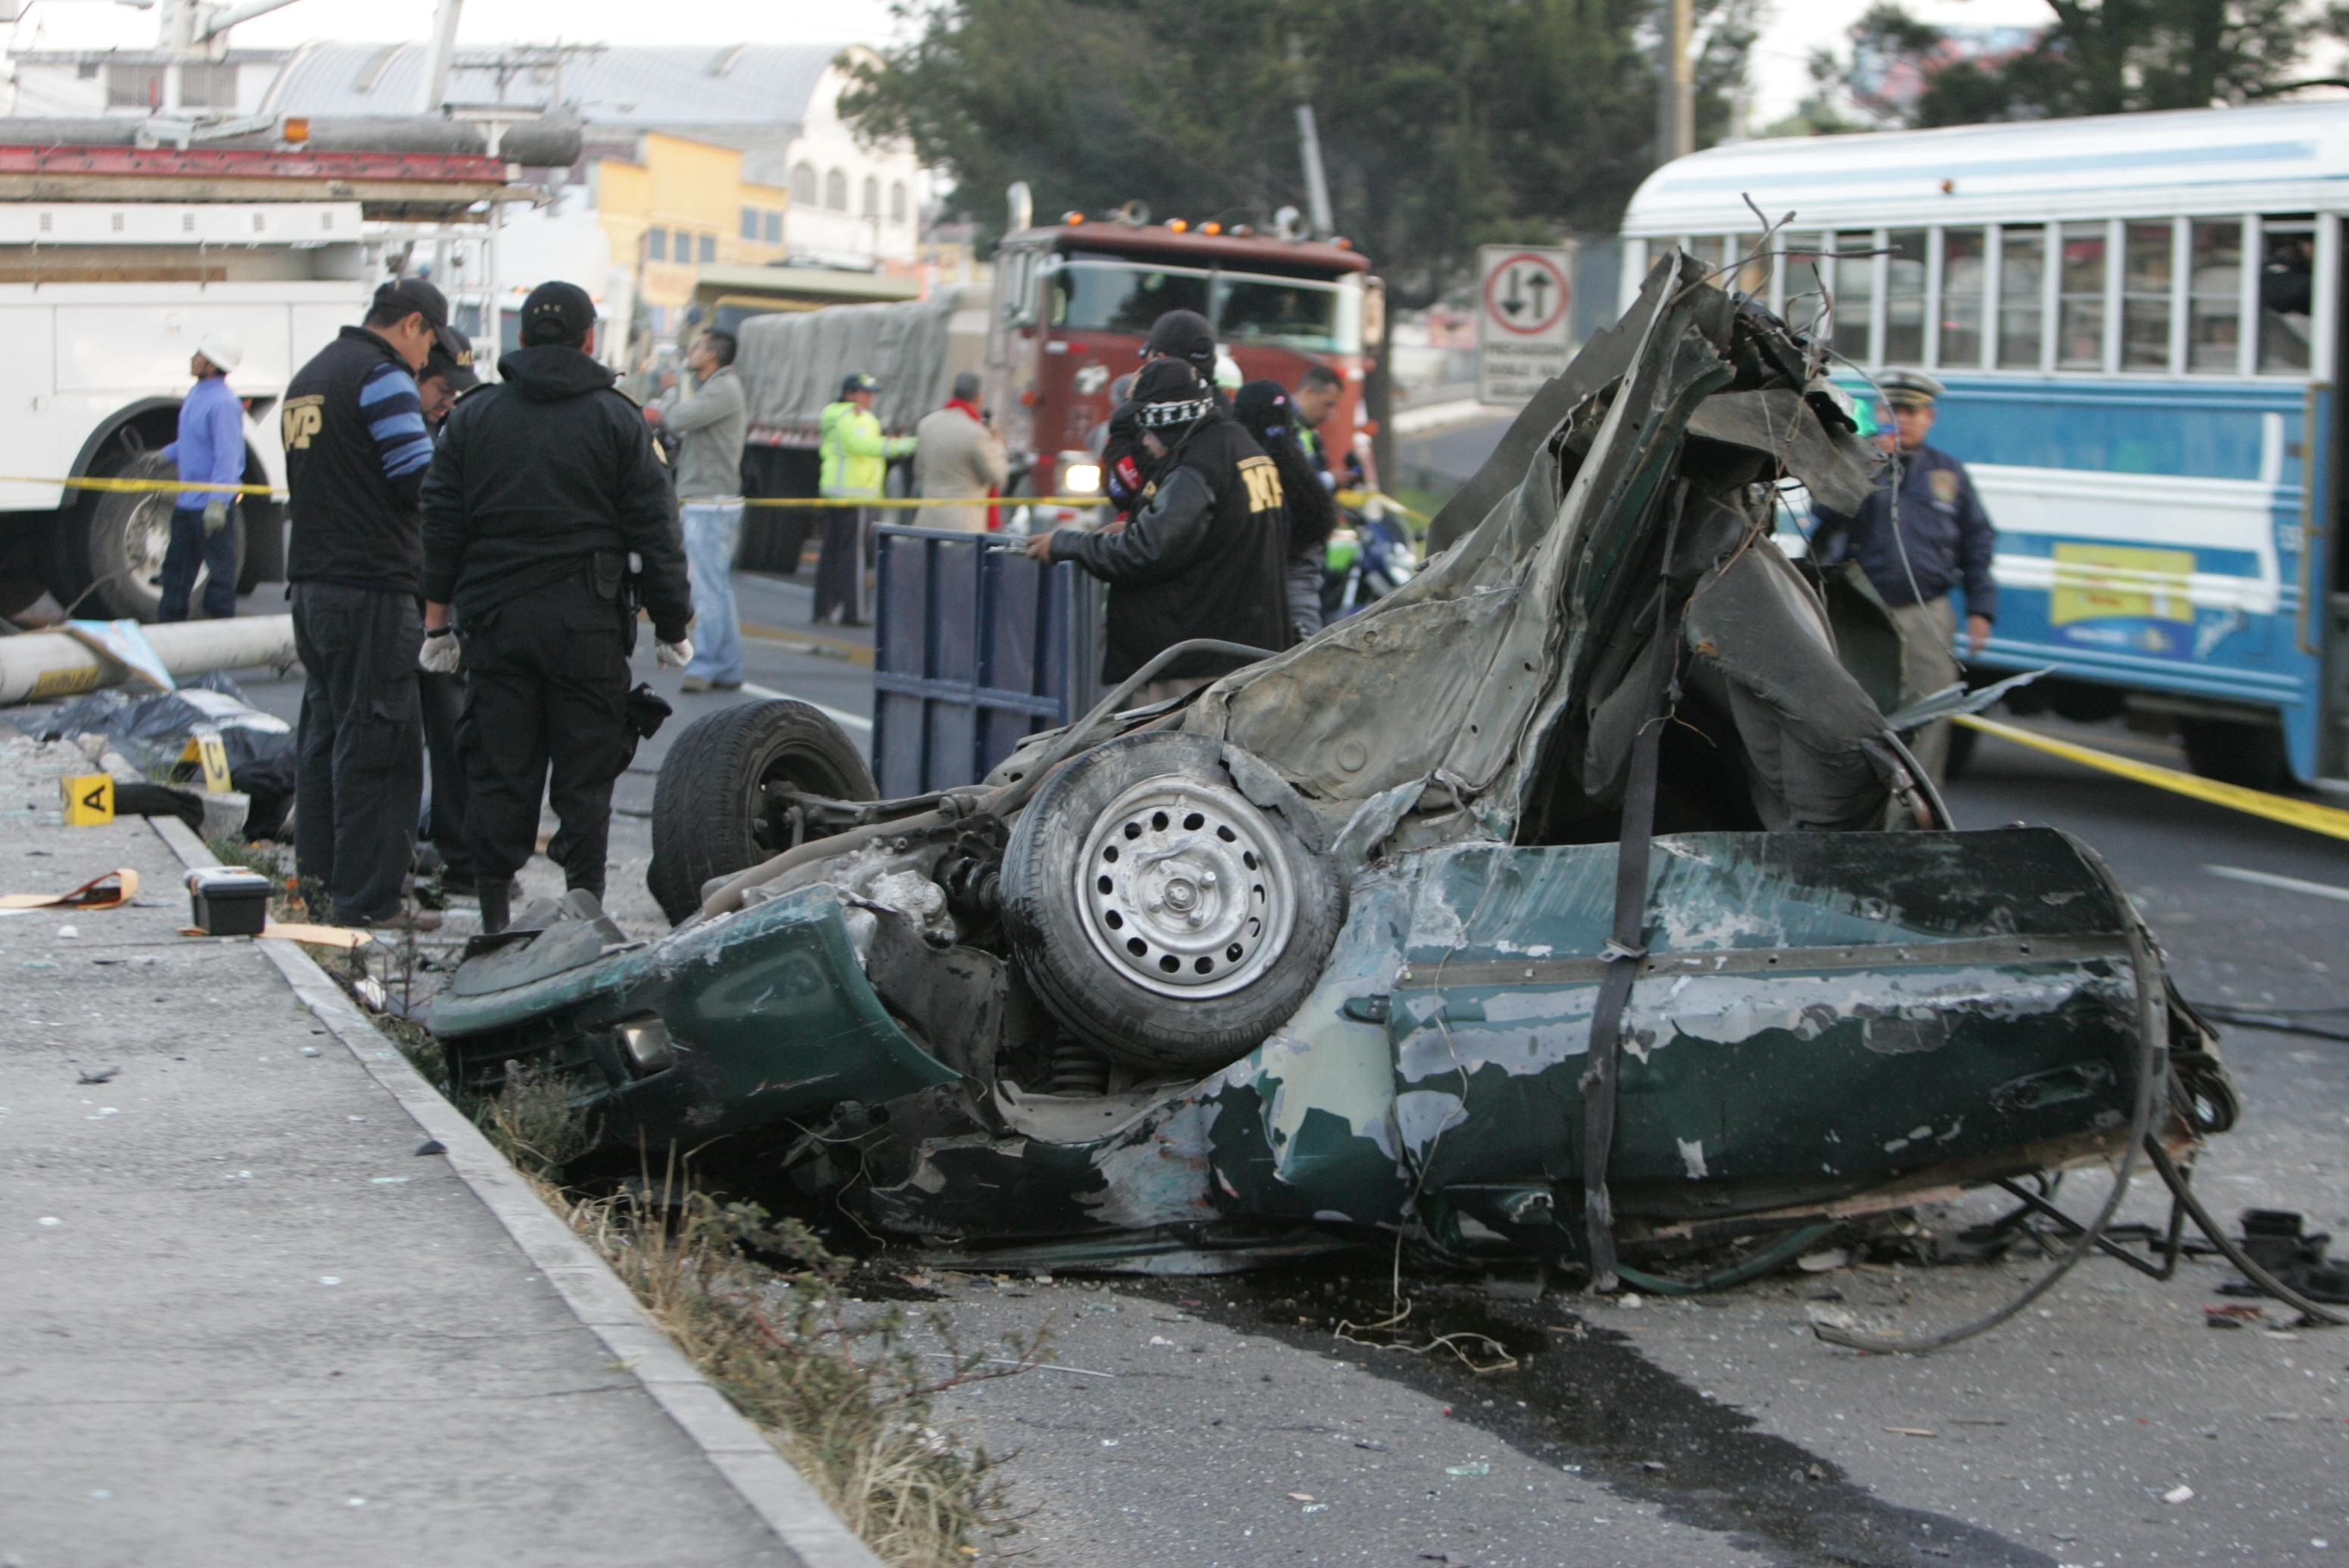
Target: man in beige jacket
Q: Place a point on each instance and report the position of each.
(956, 455)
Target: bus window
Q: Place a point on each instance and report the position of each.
(1962, 273)
(1805, 283)
(1106, 296)
(1320, 318)
(1854, 295)
(1904, 297)
(1753, 276)
(2144, 295)
(2022, 304)
(2214, 298)
(2080, 299)
(2287, 260)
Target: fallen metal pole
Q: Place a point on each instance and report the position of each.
(40, 666)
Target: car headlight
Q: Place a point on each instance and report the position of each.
(1081, 479)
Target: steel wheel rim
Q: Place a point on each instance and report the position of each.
(1184, 889)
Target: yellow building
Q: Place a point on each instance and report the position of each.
(683, 206)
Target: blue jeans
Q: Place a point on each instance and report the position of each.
(191, 547)
(710, 530)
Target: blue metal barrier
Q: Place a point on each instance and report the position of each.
(974, 647)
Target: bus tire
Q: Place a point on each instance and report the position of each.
(2232, 751)
(711, 817)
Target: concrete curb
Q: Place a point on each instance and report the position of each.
(777, 1493)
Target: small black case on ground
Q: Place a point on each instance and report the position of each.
(229, 901)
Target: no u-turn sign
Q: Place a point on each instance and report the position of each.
(1523, 319)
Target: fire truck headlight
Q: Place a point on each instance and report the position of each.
(1082, 479)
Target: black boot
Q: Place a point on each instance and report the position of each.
(494, 893)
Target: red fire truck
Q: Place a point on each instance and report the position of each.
(1074, 300)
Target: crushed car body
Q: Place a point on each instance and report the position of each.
(1578, 895)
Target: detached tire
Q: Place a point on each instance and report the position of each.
(1158, 913)
(711, 815)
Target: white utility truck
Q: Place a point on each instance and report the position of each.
(114, 260)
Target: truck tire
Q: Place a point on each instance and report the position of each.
(120, 537)
(2234, 752)
(1160, 914)
(711, 817)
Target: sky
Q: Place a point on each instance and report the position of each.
(1779, 74)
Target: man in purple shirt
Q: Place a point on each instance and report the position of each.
(210, 450)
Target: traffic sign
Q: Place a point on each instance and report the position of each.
(1523, 319)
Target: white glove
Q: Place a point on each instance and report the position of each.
(441, 653)
(215, 515)
(673, 656)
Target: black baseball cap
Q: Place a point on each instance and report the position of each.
(404, 297)
(1184, 334)
(451, 360)
(857, 381)
(557, 312)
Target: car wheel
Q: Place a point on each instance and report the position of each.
(713, 811)
(1159, 911)
(2233, 752)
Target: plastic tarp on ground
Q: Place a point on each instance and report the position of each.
(791, 363)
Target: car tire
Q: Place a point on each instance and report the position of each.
(1158, 911)
(2230, 751)
(123, 535)
(711, 817)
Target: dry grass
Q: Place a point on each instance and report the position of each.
(846, 1398)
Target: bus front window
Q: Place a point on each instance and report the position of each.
(1319, 317)
(1108, 296)
(2080, 300)
(2022, 307)
(2287, 266)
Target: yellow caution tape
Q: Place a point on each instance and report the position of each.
(897, 502)
(2330, 820)
(135, 487)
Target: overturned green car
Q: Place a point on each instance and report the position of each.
(1578, 897)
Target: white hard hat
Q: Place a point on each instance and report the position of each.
(221, 348)
(1227, 373)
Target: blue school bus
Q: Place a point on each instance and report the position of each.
(2138, 318)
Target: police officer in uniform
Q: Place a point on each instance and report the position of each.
(1205, 557)
(448, 374)
(356, 451)
(1943, 539)
(542, 487)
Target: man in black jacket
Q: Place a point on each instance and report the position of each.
(355, 450)
(541, 487)
(1205, 557)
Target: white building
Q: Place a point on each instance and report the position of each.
(851, 205)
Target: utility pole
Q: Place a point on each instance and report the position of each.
(1309, 149)
(1681, 138)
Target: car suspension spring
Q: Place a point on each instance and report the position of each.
(1079, 1069)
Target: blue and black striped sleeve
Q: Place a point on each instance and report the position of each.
(395, 416)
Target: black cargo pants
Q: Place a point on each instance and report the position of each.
(360, 776)
(546, 712)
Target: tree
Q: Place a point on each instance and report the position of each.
(2094, 57)
(1444, 124)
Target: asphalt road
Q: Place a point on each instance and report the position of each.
(1225, 1421)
